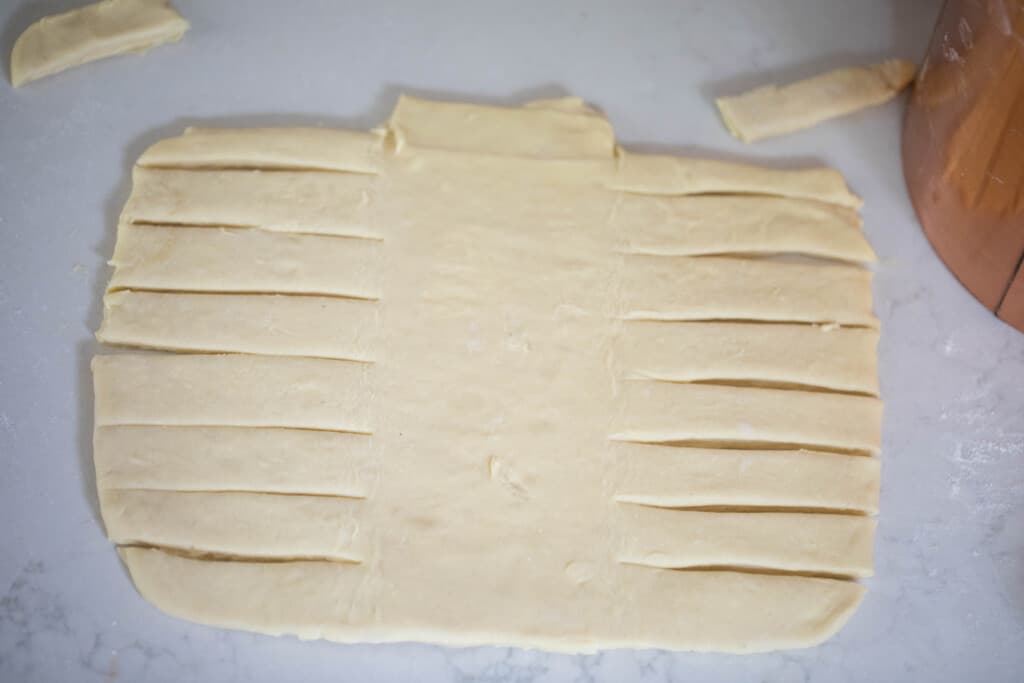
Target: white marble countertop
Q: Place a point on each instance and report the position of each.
(947, 603)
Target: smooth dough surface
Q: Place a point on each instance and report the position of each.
(268, 460)
(321, 149)
(270, 324)
(319, 600)
(738, 224)
(843, 359)
(665, 412)
(237, 523)
(232, 391)
(316, 202)
(173, 258)
(672, 477)
(725, 288)
(85, 34)
(794, 541)
(772, 110)
(507, 264)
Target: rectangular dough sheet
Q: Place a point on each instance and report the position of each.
(183, 259)
(661, 412)
(315, 202)
(676, 477)
(719, 288)
(271, 324)
(740, 224)
(478, 438)
(842, 359)
(232, 390)
(270, 460)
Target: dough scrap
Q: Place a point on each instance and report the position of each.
(740, 224)
(86, 34)
(483, 441)
(232, 391)
(318, 149)
(720, 288)
(265, 460)
(793, 541)
(172, 258)
(321, 327)
(772, 110)
(667, 476)
(843, 359)
(316, 202)
(242, 524)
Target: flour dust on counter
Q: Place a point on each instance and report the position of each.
(481, 376)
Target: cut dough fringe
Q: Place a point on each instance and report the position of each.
(481, 377)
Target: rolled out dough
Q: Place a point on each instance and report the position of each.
(86, 34)
(477, 477)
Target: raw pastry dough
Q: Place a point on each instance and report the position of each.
(172, 258)
(730, 224)
(285, 201)
(236, 523)
(842, 359)
(319, 149)
(232, 390)
(85, 34)
(490, 270)
(793, 541)
(772, 110)
(664, 476)
(321, 327)
(309, 461)
(717, 288)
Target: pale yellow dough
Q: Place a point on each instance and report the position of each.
(424, 365)
(772, 110)
(85, 34)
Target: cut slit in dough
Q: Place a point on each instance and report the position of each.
(790, 541)
(323, 149)
(316, 202)
(665, 412)
(674, 477)
(236, 523)
(233, 391)
(548, 129)
(843, 359)
(171, 258)
(318, 600)
(233, 459)
(724, 224)
(677, 176)
(716, 288)
(772, 110)
(86, 34)
(322, 327)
